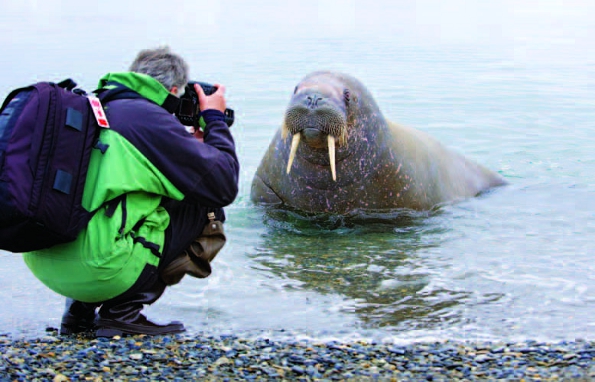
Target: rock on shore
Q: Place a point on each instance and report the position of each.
(182, 358)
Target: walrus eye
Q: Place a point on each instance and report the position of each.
(346, 95)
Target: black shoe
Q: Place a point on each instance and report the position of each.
(112, 327)
(122, 315)
(78, 317)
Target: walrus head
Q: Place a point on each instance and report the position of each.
(335, 136)
(318, 115)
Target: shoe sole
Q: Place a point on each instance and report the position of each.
(110, 331)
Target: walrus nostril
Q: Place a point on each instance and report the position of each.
(312, 101)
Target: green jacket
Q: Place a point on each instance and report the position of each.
(150, 155)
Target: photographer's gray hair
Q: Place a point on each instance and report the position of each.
(166, 67)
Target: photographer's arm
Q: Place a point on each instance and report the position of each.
(222, 180)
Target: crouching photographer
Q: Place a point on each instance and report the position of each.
(159, 193)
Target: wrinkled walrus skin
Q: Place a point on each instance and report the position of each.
(348, 157)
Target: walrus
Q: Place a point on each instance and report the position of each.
(336, 153)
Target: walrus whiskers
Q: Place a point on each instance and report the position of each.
(331, 156)
(295, 141)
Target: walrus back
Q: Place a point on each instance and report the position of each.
(436, 174)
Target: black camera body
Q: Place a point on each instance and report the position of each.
(189, 111)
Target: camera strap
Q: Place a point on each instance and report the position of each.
(171, 103)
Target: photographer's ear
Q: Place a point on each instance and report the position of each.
(174, 91)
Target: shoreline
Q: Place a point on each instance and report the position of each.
(143, 358)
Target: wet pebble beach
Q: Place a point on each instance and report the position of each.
(228, 358)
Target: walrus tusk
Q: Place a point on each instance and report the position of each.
(331, 155)
(295, 141)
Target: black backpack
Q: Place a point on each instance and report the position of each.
(47, 133)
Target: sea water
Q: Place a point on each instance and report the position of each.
(508, 84)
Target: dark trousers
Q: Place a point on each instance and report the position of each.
(187, 221)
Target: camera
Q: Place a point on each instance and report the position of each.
(189, 111)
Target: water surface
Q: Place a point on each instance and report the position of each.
(509, 84)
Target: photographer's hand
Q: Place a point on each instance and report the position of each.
(215, 101)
